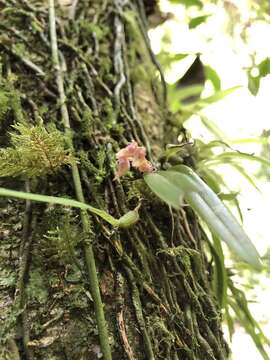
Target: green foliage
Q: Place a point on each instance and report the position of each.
(128, 219)
(239, 304)
(208, 160)
(212, 76)
(209, 156)
(166, 59)
(188, 3)
(198, 20)
(34, 151)
(178, 95)
(180, 181)
(226, 157)
(165, 189)
(220, 279)
(253, 84)
(254, 81)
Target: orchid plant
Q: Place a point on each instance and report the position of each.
(181, 183)
(172, 186)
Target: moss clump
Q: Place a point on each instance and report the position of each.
(35, 151)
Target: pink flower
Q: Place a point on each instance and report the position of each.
(134, 155)
(129, 151)
(123, 166)
(146, 166)
(139, 157)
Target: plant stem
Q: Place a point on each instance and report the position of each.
(25, 258)
(88, 250)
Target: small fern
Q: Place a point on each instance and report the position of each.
(34, 151)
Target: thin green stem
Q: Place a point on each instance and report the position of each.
(88, 250)
(25, 258)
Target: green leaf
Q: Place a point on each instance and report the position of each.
(219, 219)
(197, 21)
(213, 179)
(229, 321)
(228, 197)
(255, 140)
(219, 95)
(187, 91)
(245, 174)
(228, 161)
(164, 189)
(264, 67)
(239, 304)
(181, 181)
(198, 105)
(166, 59)
(212, 76)
(212, 127)
(68, 202)
(253, 84)
(178, 57)
(239, 155)
(220, 281)
(188, 3)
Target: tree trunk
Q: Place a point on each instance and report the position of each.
(154, 277)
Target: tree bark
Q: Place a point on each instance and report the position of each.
(154, 277)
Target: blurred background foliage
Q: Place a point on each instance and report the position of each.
(216, 60)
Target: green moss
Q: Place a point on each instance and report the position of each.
(97, 169)
(9, 98)
(35, 151)
(89, 29)
(139, 74)
(36, 288)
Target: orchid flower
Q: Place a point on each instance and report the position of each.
(135, 156)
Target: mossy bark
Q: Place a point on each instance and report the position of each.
(154, 278)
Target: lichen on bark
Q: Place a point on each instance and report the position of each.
(154, 277)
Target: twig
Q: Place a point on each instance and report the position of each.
(88, 250)
(25, 248)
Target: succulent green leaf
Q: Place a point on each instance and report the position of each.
(222, 222)
(165, 189)
(180, 181)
